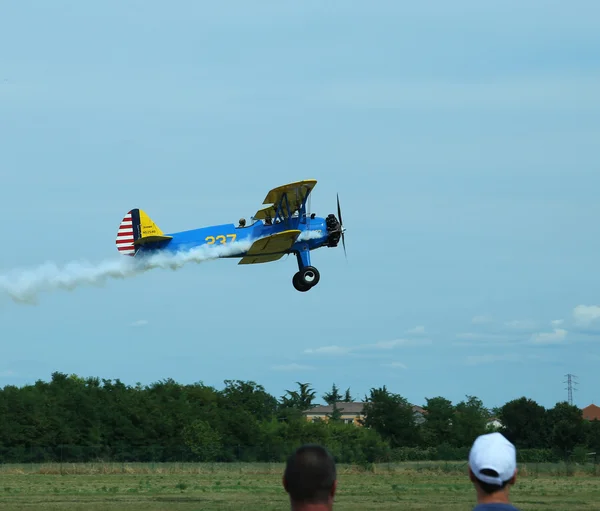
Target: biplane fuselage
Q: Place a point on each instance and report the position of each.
(284, 227)
(229, 233)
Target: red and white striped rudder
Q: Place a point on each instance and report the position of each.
(125, 237)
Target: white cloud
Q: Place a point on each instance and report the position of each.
(490, 358)
(472, 336)
(478, 320)
(585, 315)
(292, 367)
(481, 338)
(513, 332)
(328, 350)
(140, 322)
(395, 364)
(521, 324)
(380, 345)
(555, 337)
(417, 330)
(387, 345)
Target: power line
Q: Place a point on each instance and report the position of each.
(571, 381)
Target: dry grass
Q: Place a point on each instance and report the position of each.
(186, 487)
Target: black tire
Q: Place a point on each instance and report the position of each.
(298, 284)
(309, 276)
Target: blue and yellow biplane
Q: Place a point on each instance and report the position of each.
(282, 227)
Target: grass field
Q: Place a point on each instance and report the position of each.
(186, 487)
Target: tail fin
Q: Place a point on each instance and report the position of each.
(136, 229)
(125, 235)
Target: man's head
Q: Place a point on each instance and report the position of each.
(310, 476)
(492, 463)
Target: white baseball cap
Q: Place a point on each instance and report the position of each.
(494, 452)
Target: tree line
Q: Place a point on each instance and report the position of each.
(75, 419)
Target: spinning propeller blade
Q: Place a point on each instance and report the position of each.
(341, 225)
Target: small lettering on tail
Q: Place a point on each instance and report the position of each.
(125, 237)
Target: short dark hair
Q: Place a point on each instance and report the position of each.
(488, 487)
(310, 474)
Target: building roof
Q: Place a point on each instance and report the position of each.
(355, 407)
(591, 412)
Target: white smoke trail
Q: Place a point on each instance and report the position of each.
(310, 235)
(24, 286)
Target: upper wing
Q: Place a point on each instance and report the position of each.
(288, 199)
(264, 213)
(271, 247)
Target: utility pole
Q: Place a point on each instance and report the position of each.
(571, 380)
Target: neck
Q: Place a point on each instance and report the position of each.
(310, 507)
(500, 497)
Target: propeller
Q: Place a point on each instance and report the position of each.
(342, 230)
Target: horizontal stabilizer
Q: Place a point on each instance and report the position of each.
(151, 239)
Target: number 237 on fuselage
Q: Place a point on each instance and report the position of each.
(282, 227)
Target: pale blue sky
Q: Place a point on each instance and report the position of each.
(463, 140)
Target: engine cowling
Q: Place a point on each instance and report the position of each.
(334, 230)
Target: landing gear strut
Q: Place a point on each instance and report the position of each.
(307, 276)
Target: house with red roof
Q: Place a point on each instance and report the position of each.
(591, 413)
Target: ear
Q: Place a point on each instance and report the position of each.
(513, 479)
(472, 476)
(284, 482)
(333, 489)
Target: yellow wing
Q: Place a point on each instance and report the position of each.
(257, 259)
(296, 193)
(264, 213)
(270, 248)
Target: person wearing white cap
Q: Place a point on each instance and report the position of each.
(493, 470)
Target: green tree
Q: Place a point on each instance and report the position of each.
(350, 444)
(524, 422)
(336, 414)
(566, 428)
(391, 416)
(250, 396)
(301, 399)
(469, 421)
(76, 418)
(592, 431)
(437, 428)
(332, 397)
(348, 397)
(243, 405)
(203, 440)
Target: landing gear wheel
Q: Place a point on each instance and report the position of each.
(298, 284)
(309, 276)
